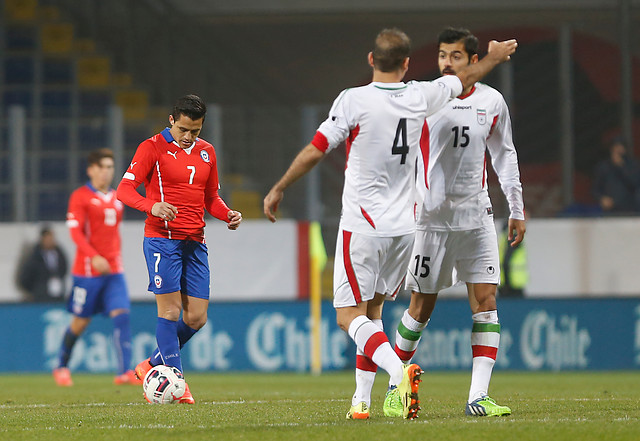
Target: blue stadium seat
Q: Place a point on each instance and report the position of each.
(21, 97)
(55, 137)
(94, 102)
(93, 136)
(57, 71)
(18, 69)
(20, 38)
(53, 169)
(52, 205)
(5, 201)
(56, 103)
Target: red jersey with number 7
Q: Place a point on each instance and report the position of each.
(185, 178)
(93, 220)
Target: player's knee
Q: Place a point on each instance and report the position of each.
(195, 322)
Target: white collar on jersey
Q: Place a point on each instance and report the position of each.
(187, 150)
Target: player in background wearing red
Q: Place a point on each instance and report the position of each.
(456, 237)
(180, 178)
(381, 124)
(98, 281)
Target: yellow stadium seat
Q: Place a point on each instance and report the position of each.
(134, 103)
(57, 38)
(249, 203)
(21, 10)
(93, 72)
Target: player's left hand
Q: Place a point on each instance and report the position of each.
(235, 217)
(519, 227)
(271, 202)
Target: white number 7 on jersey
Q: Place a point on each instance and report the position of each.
(193, 172)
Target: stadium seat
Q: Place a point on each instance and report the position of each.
(18, 69)
(134, 103)
(93, 72)
(56, 38)
(20, 10)
(53, 168)
(249, 203)
(55, 137)
(56, 102)
(20, 37)
(20, 97)
(94, 102)
(57, 70)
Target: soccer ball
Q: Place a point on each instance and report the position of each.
(163, 385)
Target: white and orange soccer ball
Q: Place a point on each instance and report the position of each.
(163, 385)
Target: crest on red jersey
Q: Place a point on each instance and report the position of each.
(204, 155)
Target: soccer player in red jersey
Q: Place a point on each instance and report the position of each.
(180, 177)
(98, 282)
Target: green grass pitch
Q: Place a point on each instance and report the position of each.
(256, 406)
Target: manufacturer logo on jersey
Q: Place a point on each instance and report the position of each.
(482, 116)
(491, 270)
(172, 154)
(204, 155)
(132, 165)
(158, 281)
(459, 107)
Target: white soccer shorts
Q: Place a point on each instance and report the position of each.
(365, 265)
(440, 259)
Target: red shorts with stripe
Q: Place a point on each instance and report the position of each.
(365, 265)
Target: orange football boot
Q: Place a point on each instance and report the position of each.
(142, 368)
(187, 398)
(128, 377)
(62, 376)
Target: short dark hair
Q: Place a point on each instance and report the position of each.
(95, 156)
(191, 106)
(453, 35)
(391, 48)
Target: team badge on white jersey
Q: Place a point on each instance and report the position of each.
(204, 155)
(482, 116)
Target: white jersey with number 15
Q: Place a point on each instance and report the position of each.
(452, 194)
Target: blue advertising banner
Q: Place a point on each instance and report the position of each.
(271, 336)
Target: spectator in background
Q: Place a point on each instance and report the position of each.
(617, 181)
(41, 274)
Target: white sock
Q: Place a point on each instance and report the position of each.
(375, 345)
(485, 340)
(365, 374)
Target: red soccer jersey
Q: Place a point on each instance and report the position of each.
(185, 178)
(94, 220)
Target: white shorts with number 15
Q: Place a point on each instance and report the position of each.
(440, 259)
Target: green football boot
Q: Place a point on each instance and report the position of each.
(392, 406)
(486, 406)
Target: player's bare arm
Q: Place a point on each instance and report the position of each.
(499, 52)
(519, 226)
(305, 161)
(164, 210)
(235, 217)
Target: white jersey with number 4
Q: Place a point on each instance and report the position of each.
(452, 194)
(381, 124)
